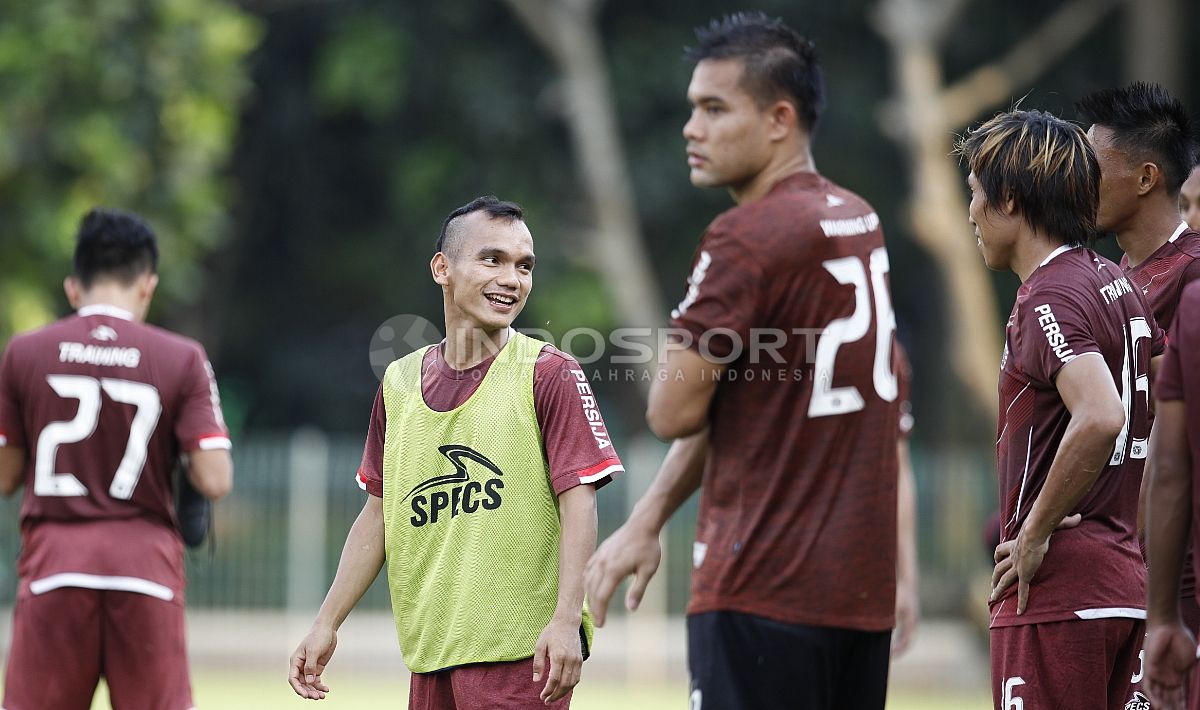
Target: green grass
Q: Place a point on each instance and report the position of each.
(244, 690)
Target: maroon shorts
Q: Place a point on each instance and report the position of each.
(480, 686)
(65, 639)
(1067, 665)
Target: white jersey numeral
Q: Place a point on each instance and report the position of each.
(826, 399)
(1012, 702)
(47, 482)
(1138, 330)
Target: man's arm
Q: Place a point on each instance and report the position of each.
(362, 558)
(559, 641)
(1170, 649)
(634, 548)
(211, 472)
(1097, 416)
(908, 607)
(12, 466)
(679, 399)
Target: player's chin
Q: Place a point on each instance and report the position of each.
(703, 178)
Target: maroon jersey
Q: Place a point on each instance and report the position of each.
(1162, 278)
(1076, 304)
(575, 440)
(1178, 380)
(797, 518)
(1163, 275)
(103, 406)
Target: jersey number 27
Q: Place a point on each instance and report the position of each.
(47, 482)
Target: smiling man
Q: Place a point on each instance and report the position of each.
(1067, 607)
(481, 466)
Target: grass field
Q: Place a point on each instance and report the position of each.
(238, 690)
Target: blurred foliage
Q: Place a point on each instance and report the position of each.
(122, 103)
(368, 121)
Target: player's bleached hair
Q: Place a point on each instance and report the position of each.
(777, 63)
(1148, 124)
(492, 205)
(1044, 164)
(112, 244)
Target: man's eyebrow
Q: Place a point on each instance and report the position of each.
(499, 252)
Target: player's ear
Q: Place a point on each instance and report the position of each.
(148, 285)
(1009, 205)
(783, 119)
(1148, 177)
(72, 288)
(440, 267)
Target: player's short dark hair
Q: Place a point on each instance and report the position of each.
(112, 244)
(492, 205)
(1044, 164)
(1149, 124)
(776, 61)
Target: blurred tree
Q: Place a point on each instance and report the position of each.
(1156, 32)
(924, 116)
(568, 32)
(121, 103)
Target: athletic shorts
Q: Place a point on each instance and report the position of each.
(64, 640)
(1069, 665)
(482, 686)
(745, 662)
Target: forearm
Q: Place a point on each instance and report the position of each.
(678, 478)
(577, 542)
(12, 469)
(1085, 450)
(1169, 501)
(362, 558)
(906, 519)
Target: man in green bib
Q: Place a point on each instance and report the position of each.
(481, 465)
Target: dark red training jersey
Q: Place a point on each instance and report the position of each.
(797, 517)
(575, 440)
(1163, 275)
(103, 406)
(1179, 379)
(1162, 278)
(1076, 304)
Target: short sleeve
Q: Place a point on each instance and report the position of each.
(576, 441)
(12, 429)
(370, 471)
(201, 425)
(1055, 328)
(722, 299)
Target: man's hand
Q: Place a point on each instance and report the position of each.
(908, 612)
(1018, 561)
(1170, 653)
(631, 550)
(558, 646)
(309, 661)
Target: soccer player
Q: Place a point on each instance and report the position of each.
(481, 465)
(1067, 611)
(95, 410)
(1189, 199)
(794, 564)
(1143, 140)
(1173, 509)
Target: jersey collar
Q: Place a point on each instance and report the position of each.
(103, 309)
(1062, 249)
(1178, 230)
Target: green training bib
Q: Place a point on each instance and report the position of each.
(471, 523)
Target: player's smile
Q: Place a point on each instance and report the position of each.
(502, 302)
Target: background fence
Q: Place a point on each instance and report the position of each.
(279, 535)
